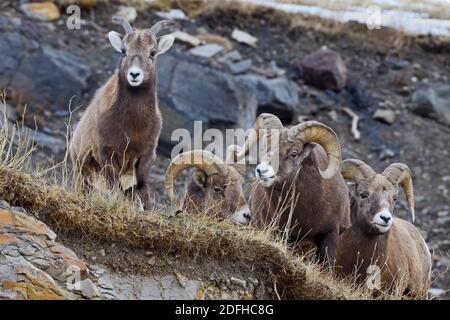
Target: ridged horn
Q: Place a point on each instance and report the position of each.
(200, 159)
(231, 159)
(313, 131)
(356, 170)
(124, 23)
(161, 25)
(399, 173)
(265, 121)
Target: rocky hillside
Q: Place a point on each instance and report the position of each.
(244, 62)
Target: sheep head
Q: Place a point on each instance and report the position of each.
(291, 147)
(220, 184)
(375, 194)
(139, 50)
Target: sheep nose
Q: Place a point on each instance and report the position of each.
(259, 171)
(247, 216)
(134, 75)
(385, 218)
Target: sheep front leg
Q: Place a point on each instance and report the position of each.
(327, 249)
(142, 175)
(110, 166)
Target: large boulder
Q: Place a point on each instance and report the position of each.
(42, 77)
(189, 91)
(324, 69)
(433, 103)
(278, 96)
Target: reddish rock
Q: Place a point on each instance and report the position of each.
(34, 266)
(324, 69)
(5, 218)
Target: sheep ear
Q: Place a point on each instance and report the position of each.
(165, 43)
(307, 148)
(199, 178)
(116, 40)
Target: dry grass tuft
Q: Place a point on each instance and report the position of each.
(110, 217)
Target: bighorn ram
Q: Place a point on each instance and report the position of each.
(214, 185)
(309, 156)
(389, 250)
(118, 133)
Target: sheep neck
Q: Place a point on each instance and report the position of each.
(135, 105)
(375, 244)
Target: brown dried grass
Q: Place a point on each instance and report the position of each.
(108, 216)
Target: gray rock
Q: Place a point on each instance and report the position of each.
(206, 50)
(173, 14)
(150, 290)
(396, 63)
(383, 115)
(386, 154)
(436, 292)
(4, 204)
(433, 103)
(28, 250)
(152, 261)
(129, 13)
(232, 56)
(238, 282)
(88, 289)
(216, 98)
(239, 67)
(41, 76)
(7, 112)
(18, 209)
(244, 37)
(278, 96)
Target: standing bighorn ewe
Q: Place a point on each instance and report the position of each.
(215, 185)
(377, 239)
(118, 133)
(309, 157)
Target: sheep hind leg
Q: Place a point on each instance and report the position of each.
(327, 250)
(142, 175)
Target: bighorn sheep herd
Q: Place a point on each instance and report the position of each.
(300, 187)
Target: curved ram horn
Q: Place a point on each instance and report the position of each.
(161, 25)
(200, 159)
(265, 121)
(231, 159)
(124, 23)
(356, 170)
(313, 131)
(399, 173)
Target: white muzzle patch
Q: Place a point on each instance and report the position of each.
(382, 220)
(265, 173)
(135, 76)
(242, 216)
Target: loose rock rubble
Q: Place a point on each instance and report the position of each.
(34, 266)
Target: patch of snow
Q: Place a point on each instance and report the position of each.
(410, 22)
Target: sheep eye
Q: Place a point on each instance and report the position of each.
(217, 190)
(293, 155)
(153, 53)
(364, 195)
(124, 52)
